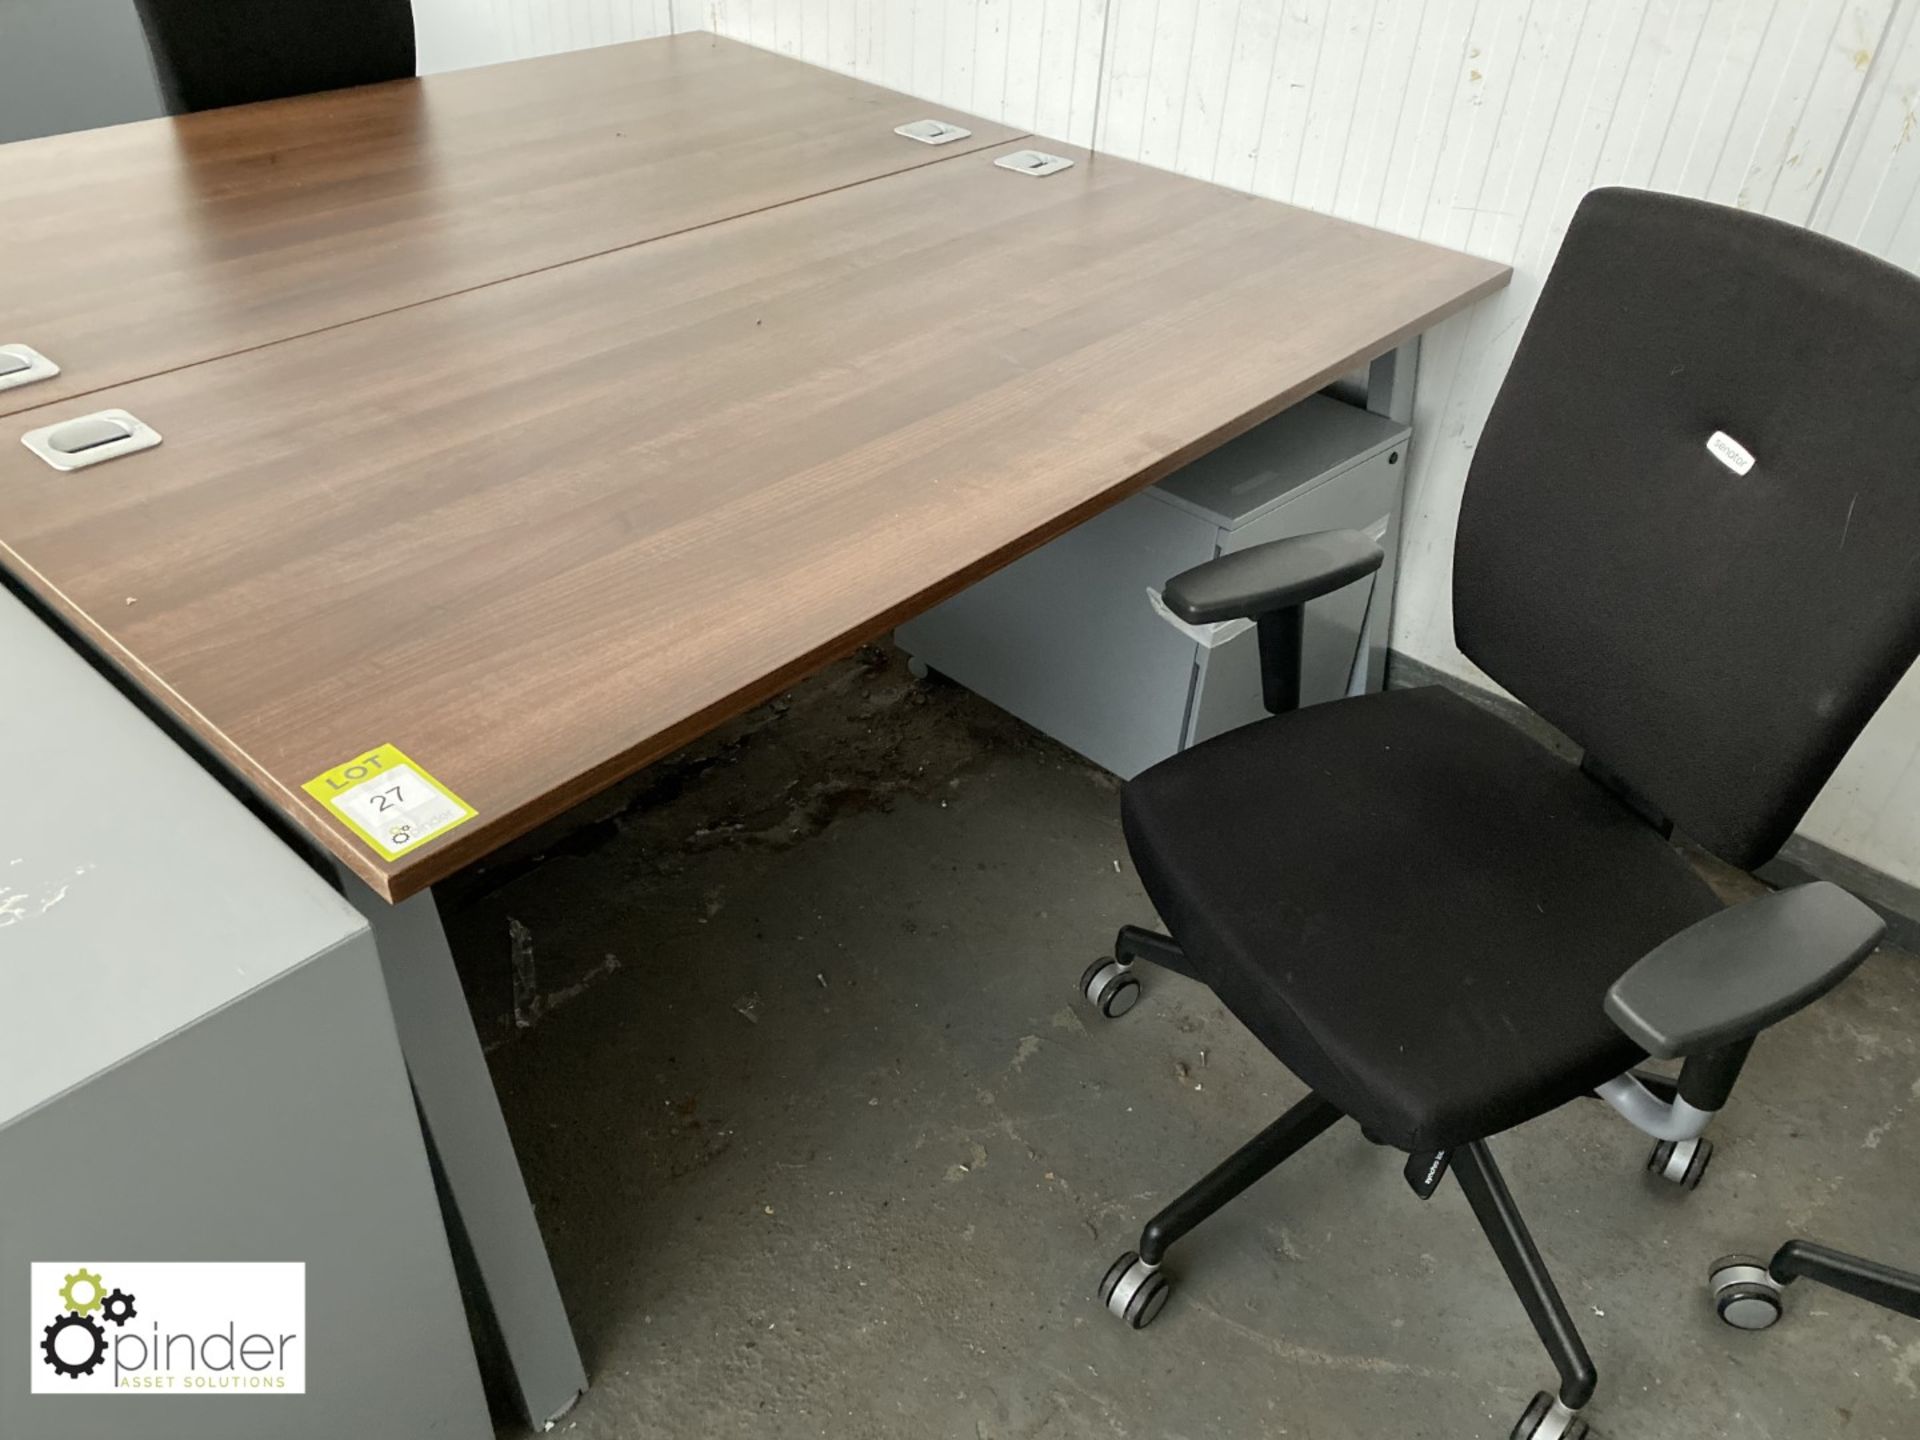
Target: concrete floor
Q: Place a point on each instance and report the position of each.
(823, 1145)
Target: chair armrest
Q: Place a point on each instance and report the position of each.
(1275, 576)
(1728, 977)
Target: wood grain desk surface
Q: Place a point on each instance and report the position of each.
(538, 534)
(140, 248)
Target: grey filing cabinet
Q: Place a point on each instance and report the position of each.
(1071, 638)
(198, 1062)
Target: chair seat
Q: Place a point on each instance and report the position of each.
(1413, 905)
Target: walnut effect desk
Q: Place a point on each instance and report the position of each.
(528, 536)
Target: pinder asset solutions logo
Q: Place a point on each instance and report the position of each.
(169, 1329)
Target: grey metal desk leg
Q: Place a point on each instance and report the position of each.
(1390, 381)
(489, 1217)
(1390, 392)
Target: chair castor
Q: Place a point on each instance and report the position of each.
(1545, 1418)
(1134, 1290)
(1681, 1161)
(1110, 986)
(1745, 1293)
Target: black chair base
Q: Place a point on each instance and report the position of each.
(1135, 1289)
(1747, 1291)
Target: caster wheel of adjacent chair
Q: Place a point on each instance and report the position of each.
(917, 668)
(1134, 1290)
(1681, 1161)
(1745, 1294)
(1545, 1418)
(1110, 987)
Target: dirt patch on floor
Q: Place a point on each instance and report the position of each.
(860, 736)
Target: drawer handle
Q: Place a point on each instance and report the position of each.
(932, 132)
(1033, 162)
(23, 365)
(90, 439)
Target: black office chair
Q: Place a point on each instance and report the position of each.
(1688, 540)
(210, 53)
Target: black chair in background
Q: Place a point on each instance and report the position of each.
(1687, 541)
(210, 53)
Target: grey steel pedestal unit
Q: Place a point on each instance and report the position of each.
(1071, 638)
(198, 1063)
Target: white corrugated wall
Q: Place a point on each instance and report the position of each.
(1473, 123)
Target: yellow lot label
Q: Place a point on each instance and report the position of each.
(389, 802)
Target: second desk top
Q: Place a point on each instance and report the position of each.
(539, 534)
(138, 248)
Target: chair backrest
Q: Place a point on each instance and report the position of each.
(1716, 638)
(210, 53)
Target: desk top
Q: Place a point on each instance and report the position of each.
(541, 533)
(139, 248)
